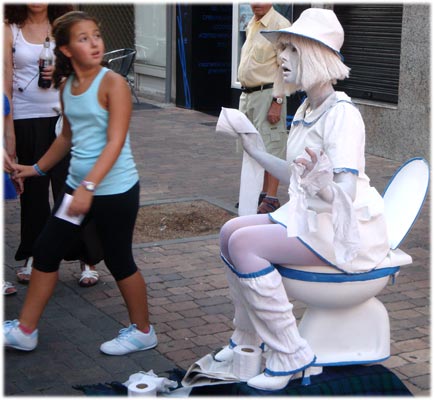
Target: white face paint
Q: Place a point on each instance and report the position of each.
(290, 60)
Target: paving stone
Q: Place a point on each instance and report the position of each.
(157, 301)
(205, 340)
(180, 306)
(210, 329)
(174, 345)
(417, 356)
(423, 381)
(212, 301)
(181, 333)
(179, 355)
(227, 309)
(413, 370)
(411, 345)
(186, 323)
(180, 298)
(404, 314)
(407, 334)
(166, 317)
(416, 391)
(194, 312)
(394, 361)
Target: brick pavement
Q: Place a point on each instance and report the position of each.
(179, 157)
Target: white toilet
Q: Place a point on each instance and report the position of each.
(344, 322)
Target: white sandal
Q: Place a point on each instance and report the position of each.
(23, 274)
(88, 273)
(7, 286)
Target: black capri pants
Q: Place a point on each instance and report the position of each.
(114, 217)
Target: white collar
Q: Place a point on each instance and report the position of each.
(308, 120)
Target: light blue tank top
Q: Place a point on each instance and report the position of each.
(89, 122)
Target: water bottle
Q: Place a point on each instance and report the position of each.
(45, 59)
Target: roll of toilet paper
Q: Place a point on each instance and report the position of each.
(142, 389)
(247, 361)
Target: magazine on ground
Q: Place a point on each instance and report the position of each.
(208, 371)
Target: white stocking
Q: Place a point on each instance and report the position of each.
(253, 242)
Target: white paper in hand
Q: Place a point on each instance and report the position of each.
(232, 121)
(62, 211)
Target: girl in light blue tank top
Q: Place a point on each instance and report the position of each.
(102, 183)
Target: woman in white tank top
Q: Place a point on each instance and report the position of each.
(35, 112)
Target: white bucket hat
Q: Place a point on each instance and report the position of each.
(316, 24)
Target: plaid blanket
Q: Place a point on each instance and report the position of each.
(352, 380)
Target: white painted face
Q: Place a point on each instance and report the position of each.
(290, 60)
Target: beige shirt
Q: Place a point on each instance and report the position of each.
(258, 61)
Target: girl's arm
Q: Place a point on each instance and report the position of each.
(116, 96)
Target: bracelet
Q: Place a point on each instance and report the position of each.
(39, 170)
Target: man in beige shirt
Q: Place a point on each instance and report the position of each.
(256, 73)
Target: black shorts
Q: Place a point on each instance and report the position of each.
(114, 217)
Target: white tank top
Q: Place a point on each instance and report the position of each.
(32, 102)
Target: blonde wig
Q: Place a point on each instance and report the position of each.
(317, 65)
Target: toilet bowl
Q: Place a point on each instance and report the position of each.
(344, 322)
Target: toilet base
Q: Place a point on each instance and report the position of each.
(355, 335)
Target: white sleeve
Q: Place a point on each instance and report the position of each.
(344, 138)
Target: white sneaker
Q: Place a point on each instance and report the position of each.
(130, 340)
(14, 337)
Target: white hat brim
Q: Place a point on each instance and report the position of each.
(273, 36)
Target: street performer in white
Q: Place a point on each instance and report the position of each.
(334, 217)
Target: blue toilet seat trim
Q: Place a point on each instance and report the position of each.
(335, 278)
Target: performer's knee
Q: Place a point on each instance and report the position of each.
(239, 243)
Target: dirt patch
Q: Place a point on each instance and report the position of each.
(178, 220)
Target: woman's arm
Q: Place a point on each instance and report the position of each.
(275, 166)
(57, 151)
(9, 133)
(346, 180)
(7, 60)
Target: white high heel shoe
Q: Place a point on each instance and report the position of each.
(225, 354)
(268, 382)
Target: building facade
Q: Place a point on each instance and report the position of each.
(188, 55)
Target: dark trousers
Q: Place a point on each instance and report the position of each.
(33, 138)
